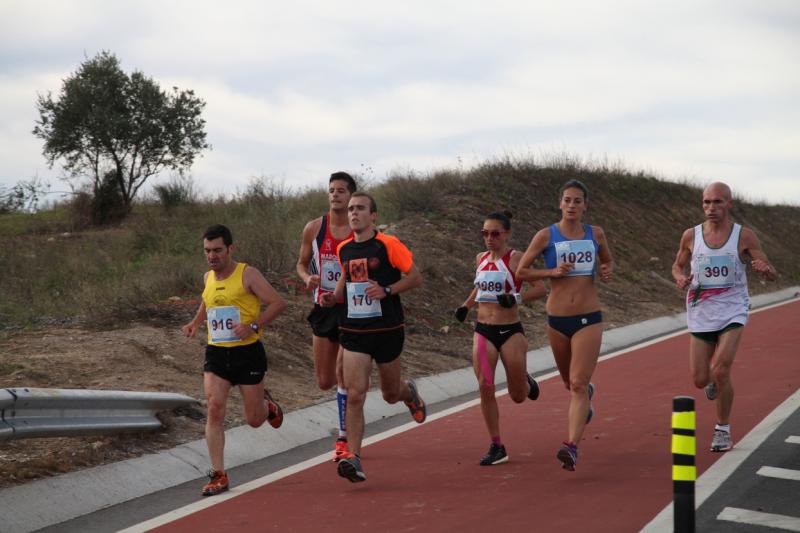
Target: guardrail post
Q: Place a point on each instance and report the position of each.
(684, 471)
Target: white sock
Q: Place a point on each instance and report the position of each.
(723, 427)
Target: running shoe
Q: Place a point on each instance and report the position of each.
(274, 411)
(722, 441)
(349, 467)
(568, 455)
(218, 483)
(495, 455)
(534, 392)
(416, 406)
(711, 391)
(340, 450)
(589, 416)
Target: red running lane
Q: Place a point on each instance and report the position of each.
(428, 479)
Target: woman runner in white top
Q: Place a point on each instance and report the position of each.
(498, 332)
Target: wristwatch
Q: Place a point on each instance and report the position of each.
(254, 326)
(387, 290)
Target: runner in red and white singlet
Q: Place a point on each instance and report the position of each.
(498, 332)
(318, 267)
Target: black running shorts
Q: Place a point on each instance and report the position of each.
(712, 337)
(241, 365)
(383, 347)
(325, 321)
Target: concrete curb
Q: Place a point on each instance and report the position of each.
(50, 501)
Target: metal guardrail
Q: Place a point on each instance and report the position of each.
(31, 412)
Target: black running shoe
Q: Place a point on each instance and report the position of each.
(711, 391)
(534, 392)
(350, 469)
(568, 455)
(495, 455)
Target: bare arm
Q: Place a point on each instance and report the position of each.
(536, 288)
(682, 260)
(255, 282)
(470, 301)
(758, 259)
(604, 252)
(539, 242)
(410, 280)
(306, 251)
(190, 329)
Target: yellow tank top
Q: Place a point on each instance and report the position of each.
(227, 302)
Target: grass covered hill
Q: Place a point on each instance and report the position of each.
(105, 277)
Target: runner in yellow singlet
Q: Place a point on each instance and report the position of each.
(231, 308)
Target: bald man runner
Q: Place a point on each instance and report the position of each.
(718, 252)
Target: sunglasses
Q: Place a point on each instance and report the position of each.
(493, 233)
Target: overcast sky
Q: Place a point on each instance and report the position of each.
(295, 90)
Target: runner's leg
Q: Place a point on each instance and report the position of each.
(585, 351)
(721, 372)
(562, 352)
(356, 367)
(484, 362)
(700, 353)
(325, 361)
(216, 391)
(513, 354)
(255, 406)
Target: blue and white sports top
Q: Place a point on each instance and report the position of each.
(581, 252)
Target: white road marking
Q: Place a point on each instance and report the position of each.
(780, 473)
(756, 518)
(793, 439)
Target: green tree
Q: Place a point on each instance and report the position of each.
(111, 127)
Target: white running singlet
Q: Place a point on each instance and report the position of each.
(718, 294)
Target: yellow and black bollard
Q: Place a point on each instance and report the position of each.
(684, 471)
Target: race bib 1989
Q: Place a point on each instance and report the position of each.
(489, 283)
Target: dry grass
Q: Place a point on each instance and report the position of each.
(118, 273)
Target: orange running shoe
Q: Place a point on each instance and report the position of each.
(274, 411)
(416, 406)
(341, 450)
(218, 483)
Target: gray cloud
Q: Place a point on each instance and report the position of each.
(703, 89)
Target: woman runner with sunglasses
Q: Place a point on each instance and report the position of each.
(573, 254)
(498, 332)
